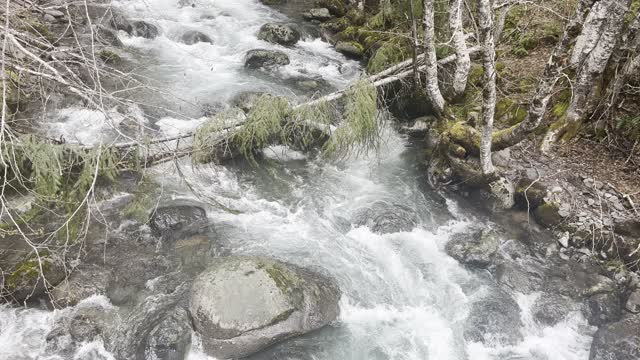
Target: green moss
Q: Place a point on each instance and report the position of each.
(547, 215)
(476, 75)
(110, 57)
(391, 52)
(284, 280)
(520, 52)
(27, 272)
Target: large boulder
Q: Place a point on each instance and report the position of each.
(170, 340)
(282, 34)
(385, 217)
(477, 249)
(193, 37)
(617, 341)
(350, 49)
(241, 305)
(261, 58)
(495, 318)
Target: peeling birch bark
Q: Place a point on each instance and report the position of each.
(463, 60)
(485, 17)
(431, 61)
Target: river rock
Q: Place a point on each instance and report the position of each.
(550, 309)
(502, 193)
(120, 23)
(350, 49)
(171, 339)
(335, 7)
(282, 34)
(260, 58)
(477, 249)
(273, 2)
(617, 341)
(320, 14)
(171, 222)
(241, 305)
(145, 30)
(245, 100)
(193, 37)
(603, 308)
(83, 282)
(107, 36)
(494, 318)
(25, 281)
(632, 304)
(384, 217)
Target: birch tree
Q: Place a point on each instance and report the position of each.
(431, 60)
(485, 16)
(463, 60)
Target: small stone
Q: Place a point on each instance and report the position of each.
(556, 189)
(564, 240)
(50, 19)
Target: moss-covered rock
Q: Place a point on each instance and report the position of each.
(351, 49)
(389, 53)
(548, 215)
(32, 277)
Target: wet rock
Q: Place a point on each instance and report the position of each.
(385, 217)
(273, 2)
(523, 278)
(83, 282)
(494, 318)
(120, 23)
(194, 37)
(170, 222)
(632, 304)
(25, 280)
(282, 34)
(603, 308)
(241, 305)
(308, 84)
(419, 126)
(171, 339)
(320, 14)
(245, 100)
(350, 49)
(260, 58)
(502, 193)
(477, 249)
(550, 309)
(548, 215)
(619, 341)
(144, 29)
(107, 36)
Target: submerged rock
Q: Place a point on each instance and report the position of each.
(477, 249)
(145, 30)
(260, 58)
(385, 218)
(171, 221)
(241, 305)
(282, 34)
(83, 282)
(193, 37)
(494, 318)
(245, 100)
(550, 309)
(170, 340)
(619, 341)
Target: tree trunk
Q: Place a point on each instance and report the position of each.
(431, 61)
(629, 56)
(592, 65)
(499, 28)
(463, 61)
(485, 19)
(469, 138)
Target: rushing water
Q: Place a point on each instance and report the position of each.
(403, 297)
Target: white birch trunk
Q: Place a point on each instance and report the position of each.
(463, 60)
(431, 61)
(485, 20)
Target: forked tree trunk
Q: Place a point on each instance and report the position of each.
(485, 20)
(468, 137)
(463, 61)
(600, 36)
(431, 61)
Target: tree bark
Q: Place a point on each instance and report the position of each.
(485, 17)
(431, 61)
(463, 60)
(601, 40)
(469, 138)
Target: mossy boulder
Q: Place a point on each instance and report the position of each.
(282, 34)
(389, 52)
(529, 194)
(268, 59)
(32, 277)
(350, 49)
(241, 305)
(476, 250)
(335, 7)
(548, 215)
